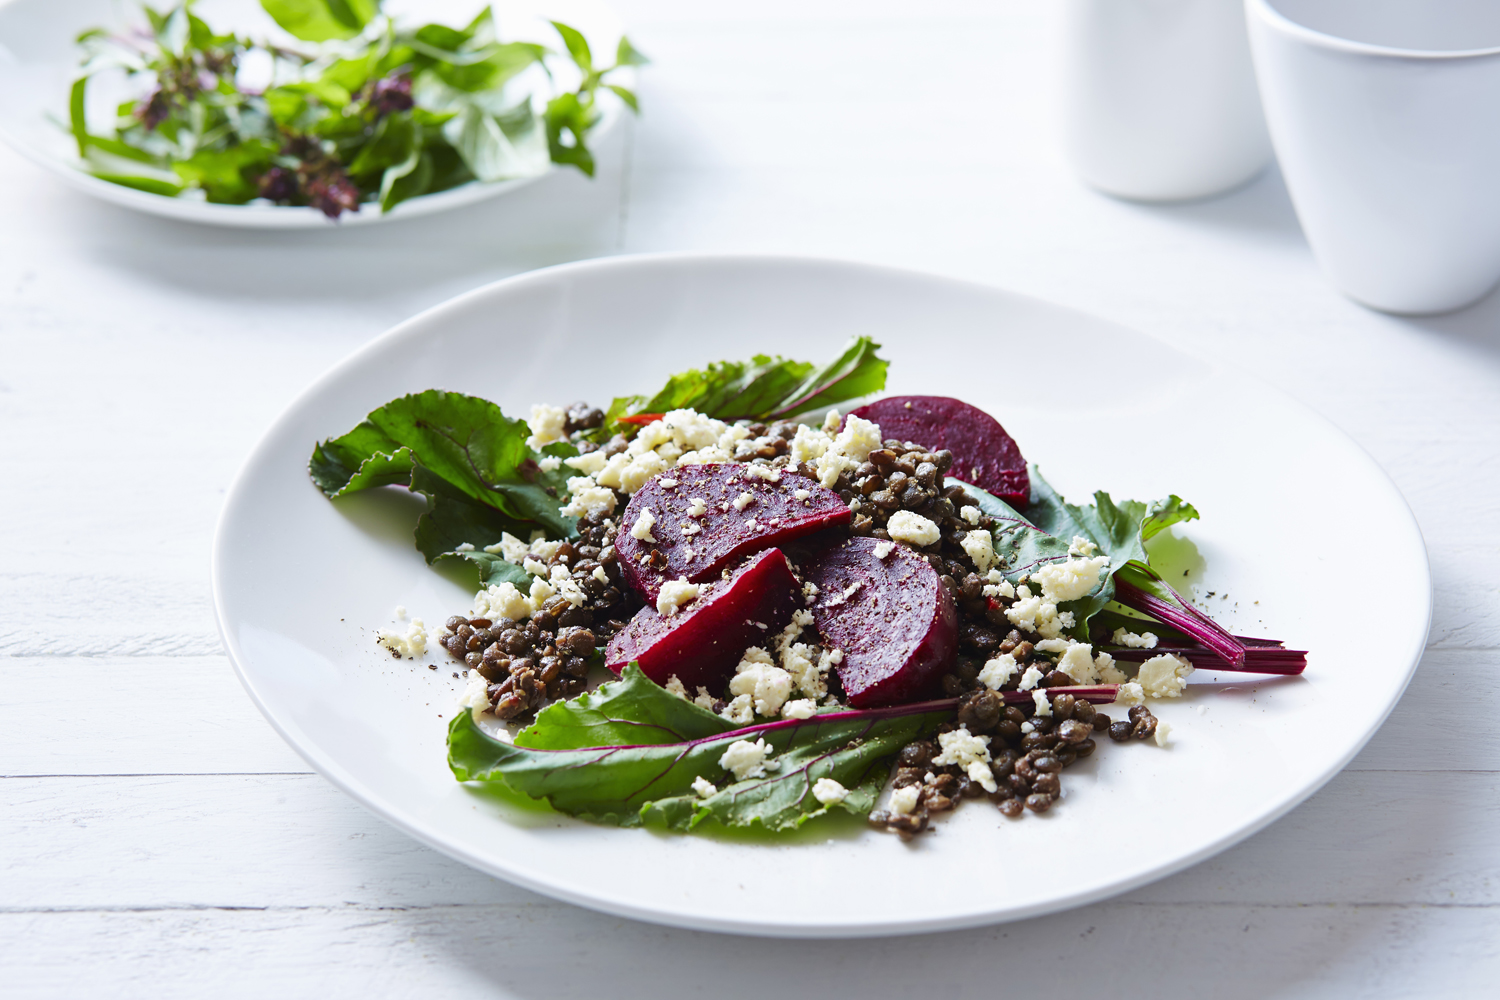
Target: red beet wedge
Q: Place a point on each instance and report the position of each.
(702, 643)
(892, 617)
(700, 544)
(983, 454)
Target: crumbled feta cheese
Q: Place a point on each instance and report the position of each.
(1031, 678)
(801, 494)
(970, 514)
(1130, 694)
(746, 759)
(1145, 640)
(674, 594)
(998, 672)
(509, 547)
(566, 587)
(1027, 727)
(534, 566)
(963, 749)
(998, 585)
(642, 528)
(740, 711)
(883, 549)
(674, 684)
(540, 591)
(704, 699)
(800, 708)
(590, 465)
(401, 611)
(1104, 666)
(756, 675)
(1164, 676)
(829, 792)
(600, 575)
(1078, 663)
(502, 601)
(476, 696)
(1070, 580)
(1039, 699)
(689, 530)
(549, 464)
(1081, 546)
(411, 643)
(810, 591)
(666, 483)
(464, 547)
(743, 500)
(703, 787)
(546, 424)
(1033, 614)
(589, 500)
(696, 507)
(904, 800)
(1163, 732)
(913, 529)
(544, 548)
(979, 545)
(765, 472)
(752, 525)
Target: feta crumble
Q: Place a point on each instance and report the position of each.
(998, 672)
(1145, 640)
(904, 800)
(745, 759)
(1163, 732)
(667, 484)
(1070, 580)
(768, 685)
(549, 464)
(401, 612)
(979, 545)
(1031, 678)
(600, 575)
(1039, 699)
(674, 594)
(884, 549)
(696, 507)
(675, 686)
(829, 792)
(913, 529)
(476, 696)
(1164, 676)
(765, 472)
(1130, 694)
(1081, 546)
(740, 711)
(546, 424)
(963, 749)
(703, 787)
(970, 514)
(743, 500)
(997, 585)
(411, 644)
(800, 708)
(801, 494)
(641, 529)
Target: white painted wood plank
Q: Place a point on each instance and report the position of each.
(534, 949)
(1371, 837)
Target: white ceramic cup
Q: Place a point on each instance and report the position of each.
(1159, 97)
(1385, 115)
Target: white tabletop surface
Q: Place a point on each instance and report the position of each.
(157, 839)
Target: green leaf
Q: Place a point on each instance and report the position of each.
(463, 440)
(77, 120)
(456, 528)
(627, 55)
(499, 64)
(322, 20)
(627, 96)
(568, 124)
(762, 388)
(227, 176)
(395, 142)
(405, 180)
(489, 152)
(577, 45)
(629, 753)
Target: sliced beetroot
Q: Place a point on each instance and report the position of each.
(702, 643)
(701, 547)
(983, 454)
(892, 618)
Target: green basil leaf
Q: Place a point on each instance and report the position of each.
(627, 54)
(322, 20)
(577, 45)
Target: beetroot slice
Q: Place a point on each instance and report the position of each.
(892, 617)
(700, 548)
(983, 454)
(702, 643)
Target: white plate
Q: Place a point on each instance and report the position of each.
(39, 62)
(1295, 517)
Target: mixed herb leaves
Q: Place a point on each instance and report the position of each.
(363, 111)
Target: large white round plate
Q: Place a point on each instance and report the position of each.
(39, 61)
(1298, 526)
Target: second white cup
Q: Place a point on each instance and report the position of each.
(1385, 115)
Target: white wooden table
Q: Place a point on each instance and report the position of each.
(157, 839)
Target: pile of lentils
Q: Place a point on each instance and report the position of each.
(1028, 754)
(530, 663)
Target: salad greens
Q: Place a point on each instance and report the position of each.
(629, 752)
(365, 111)
(481, 480)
